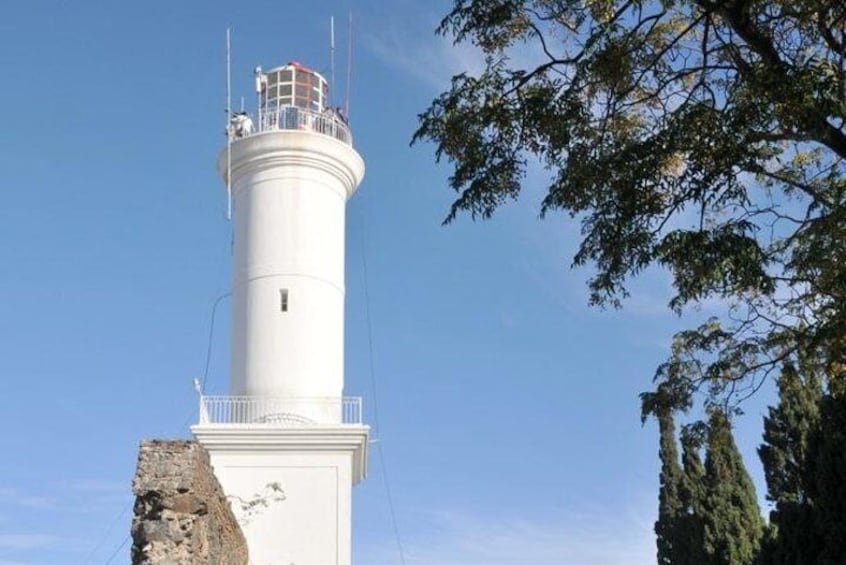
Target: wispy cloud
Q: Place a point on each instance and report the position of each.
(432, 60)
(15, 497)
(415, 49)
(26, 541)
(66, 495)
(618, 536)
(98, 486)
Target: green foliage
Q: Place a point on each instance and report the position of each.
(707, 514)
(693, 492)
(671, 509)
(788, 429)
(830, 479)
(732, 525)
(791, 429)
(704, 136)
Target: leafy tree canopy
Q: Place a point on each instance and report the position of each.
(704, 136)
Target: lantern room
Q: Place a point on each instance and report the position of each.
(292, 85)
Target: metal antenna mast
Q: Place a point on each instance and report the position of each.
(349, 70)
(332, 56)
(228, 126)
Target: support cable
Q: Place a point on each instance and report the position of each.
(376, 426)
(202, 383)
(211, 338)
(114, 522)
(116, 551)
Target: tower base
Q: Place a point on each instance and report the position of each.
(290, 488)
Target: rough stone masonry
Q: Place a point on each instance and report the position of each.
(181, 515)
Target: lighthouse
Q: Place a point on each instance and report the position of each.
(285, 443)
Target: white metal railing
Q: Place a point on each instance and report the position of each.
(327, 122)
(290, 412)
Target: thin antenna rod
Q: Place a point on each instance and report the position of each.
(349, 70)
(332, 57)
(259, 78)
(228, 125)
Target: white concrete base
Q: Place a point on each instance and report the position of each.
(290, 488)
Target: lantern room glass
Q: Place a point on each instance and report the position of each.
(294, 85)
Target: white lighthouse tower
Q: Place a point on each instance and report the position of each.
(285, 444)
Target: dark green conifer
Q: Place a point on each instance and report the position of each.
(670, 508)
(789, 429)
(830, 483)
(669, 501)
(690, 538)
(732, 524)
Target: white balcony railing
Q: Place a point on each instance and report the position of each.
(328, 122)
(284, 412)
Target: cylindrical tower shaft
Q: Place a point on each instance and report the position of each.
(290, 189)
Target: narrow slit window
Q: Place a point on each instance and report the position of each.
(283, 299)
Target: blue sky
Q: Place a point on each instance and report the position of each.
(509, 416)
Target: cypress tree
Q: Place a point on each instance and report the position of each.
(669, 503)
(830, 480)
(692, 493)
(732, 524)
(789, 429)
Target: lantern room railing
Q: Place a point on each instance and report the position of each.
(328, 122)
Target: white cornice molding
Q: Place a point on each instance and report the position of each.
(259, 438)
(271, 149)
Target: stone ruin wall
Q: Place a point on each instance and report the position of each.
(181, 516)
